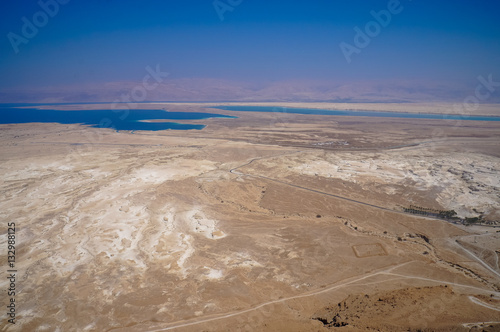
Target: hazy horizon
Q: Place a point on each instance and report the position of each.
(249, 50)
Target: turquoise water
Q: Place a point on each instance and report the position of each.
(133, 119)
(129, 119)
(355, 113)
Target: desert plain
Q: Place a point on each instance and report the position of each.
(266, 222)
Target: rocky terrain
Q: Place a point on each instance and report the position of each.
(248, 226)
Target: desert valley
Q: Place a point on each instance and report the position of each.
(258, 222)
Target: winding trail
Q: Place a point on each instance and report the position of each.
(478, 259)
(320, 291)
(481, 303)
(443, 282)
(386, 271)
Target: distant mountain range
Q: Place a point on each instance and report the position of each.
(210, 90)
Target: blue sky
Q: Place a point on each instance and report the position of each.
(260, 41)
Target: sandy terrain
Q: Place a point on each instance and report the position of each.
(417, 107)
(429, 108)
(252, 225)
